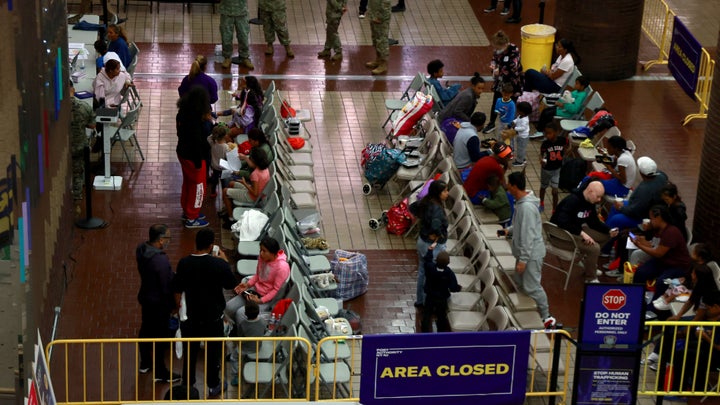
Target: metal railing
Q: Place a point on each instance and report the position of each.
(687, 366)
(657, 24)
(703, 87)
(106, 371)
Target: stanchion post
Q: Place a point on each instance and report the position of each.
(541, 5)
(89, 222)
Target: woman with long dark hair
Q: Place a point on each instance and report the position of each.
(506, 68)
(193, 122)
(433, 229)
(551, 80)
(246, 116)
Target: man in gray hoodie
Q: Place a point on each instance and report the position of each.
(528, 245)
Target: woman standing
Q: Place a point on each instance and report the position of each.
(433, 229)
(551, 80)
(197, 77)
(119, 43)
(193, 150)
(506, 68)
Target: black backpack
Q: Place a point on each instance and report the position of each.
(572, 173)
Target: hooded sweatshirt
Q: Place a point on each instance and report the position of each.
(155, 277)
(270, 277)
(527, 238)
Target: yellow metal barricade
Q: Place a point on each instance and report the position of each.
(657, 24)
(703, 87)
(682, 361)
(106, 371)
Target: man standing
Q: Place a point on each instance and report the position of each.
(202, 276)
(577, 214)
(83, 117)
(528, 245)
(273, 13)
(156, 299)
(234, 15)
(379, 13)
(333, 14)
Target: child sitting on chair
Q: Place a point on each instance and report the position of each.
(498, 201)
(253, 326)
(245, 191)
(245, 116)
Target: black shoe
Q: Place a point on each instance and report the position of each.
(512, 20)
(256, 21)
(215, 391)
(488, 128)
(397, 8)
(168, 378)
(392, 41)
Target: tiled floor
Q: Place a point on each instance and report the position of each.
(348, 109)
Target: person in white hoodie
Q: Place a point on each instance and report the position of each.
(528, 245)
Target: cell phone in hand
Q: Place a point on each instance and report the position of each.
(632, 235)
(501, 232)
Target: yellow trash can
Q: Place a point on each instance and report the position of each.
(537, 45)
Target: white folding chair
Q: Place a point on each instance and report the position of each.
(470, 321)
(393, 105)
(126, 132)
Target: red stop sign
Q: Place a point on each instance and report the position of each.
(613, 300)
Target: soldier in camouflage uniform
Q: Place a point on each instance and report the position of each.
(273, 14)
(82, 117)
(234, 14)
(379, 15)
(333, 13)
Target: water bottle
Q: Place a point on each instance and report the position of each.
(82, 64)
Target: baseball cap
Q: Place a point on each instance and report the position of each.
(501, 150)
(647, 166)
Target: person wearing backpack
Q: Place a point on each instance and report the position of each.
(433, 230)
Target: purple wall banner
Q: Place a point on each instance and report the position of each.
(684, 57)
(457, 368)
(613, 315)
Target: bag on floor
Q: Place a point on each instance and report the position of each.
(353, 319)
(179, 393)
(628, 272)
(399, 218)
(382, 163)
(411, 113)
(572, 173)
(351, 272)
(534, 101)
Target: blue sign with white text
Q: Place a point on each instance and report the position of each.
(613, 314)
(684, 57)
(463, 368)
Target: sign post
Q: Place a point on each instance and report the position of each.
(611, 325)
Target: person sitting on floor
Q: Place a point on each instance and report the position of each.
(446, 93)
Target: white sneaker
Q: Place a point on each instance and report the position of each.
(537, 135)
(652, 358)
(660, 304)
(549, 322)
(593, 281)
(598, 272)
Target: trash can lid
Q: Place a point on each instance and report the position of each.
(537, 30)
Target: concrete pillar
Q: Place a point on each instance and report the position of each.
(606, 34)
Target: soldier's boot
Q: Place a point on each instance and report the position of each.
(289, 52)
(269, 49)
(324, 53)
(380, 68)
(226, 63)
(373, 64)
(338, 56)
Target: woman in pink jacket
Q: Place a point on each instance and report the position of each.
(272, 274)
